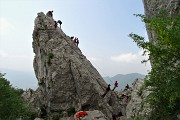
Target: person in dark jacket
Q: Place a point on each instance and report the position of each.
(55, 24)
(107, 90)
(60, 23)
(50, 13)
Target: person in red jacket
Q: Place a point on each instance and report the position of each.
(115, 85)
(75, 39)
(77, 42)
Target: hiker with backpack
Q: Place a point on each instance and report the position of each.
(59, 23)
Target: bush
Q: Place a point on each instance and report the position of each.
(164, 52)
(71, 111)
(11, 103)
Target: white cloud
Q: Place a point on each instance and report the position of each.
(5, 25)
(129, 57)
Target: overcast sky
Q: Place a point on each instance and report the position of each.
(102, 27)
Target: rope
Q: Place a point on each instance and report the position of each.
(64, 35)
(100, 70)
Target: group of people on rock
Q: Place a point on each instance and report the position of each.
(124, 93)
(50, 14)
(76, 40)
(56, 23)
(127, 87)
(108, 89)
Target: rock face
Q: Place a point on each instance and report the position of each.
(134, 110)
(31, 97)
(66, 78)
(152, 7)
(94, 115)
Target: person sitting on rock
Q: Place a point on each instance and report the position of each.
(50, 13)
(107, 90)
(115, 85)
(72, 37)
(59, 23)
(127, 87)
(55, 24)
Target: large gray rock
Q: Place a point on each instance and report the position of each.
(134, 108)
(152, 7)
(93, 115)
(66, 78)
(31, 97)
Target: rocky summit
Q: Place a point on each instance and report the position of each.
(66, 78)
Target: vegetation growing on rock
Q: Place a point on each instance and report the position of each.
(164, 55)
(11, 103)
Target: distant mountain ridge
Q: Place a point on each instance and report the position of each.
(28, 80)
(21, 79)
(123, 80)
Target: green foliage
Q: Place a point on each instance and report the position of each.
(50, 55)
(164, 52)
(138, 117)
(71, 111)
(55, 117)
(11, 104)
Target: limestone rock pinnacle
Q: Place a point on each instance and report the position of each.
(66, 78)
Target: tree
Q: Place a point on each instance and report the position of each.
(164, 52)
(11, 104)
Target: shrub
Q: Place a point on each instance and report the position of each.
(11, 103)
(164, 53)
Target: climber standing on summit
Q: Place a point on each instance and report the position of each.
(76, 41)
(50, 13)
(59, 23)
(115, 85)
